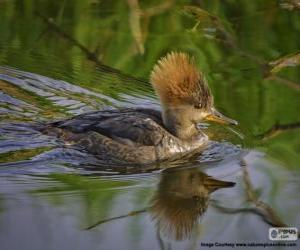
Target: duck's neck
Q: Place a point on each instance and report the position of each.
(177, 123)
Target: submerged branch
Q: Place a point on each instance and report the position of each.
(278, 129)
(132, 213)
(160, 240)
(229, 210)
(263, 209)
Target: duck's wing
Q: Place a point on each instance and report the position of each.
(129, 126)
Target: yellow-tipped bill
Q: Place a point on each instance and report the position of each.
(216, 116)
(214, 184)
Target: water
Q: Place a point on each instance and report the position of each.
(93, 55)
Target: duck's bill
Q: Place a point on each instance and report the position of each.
(214, 184)
(216, 116)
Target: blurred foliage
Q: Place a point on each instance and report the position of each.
(232, 41)
(286, 61)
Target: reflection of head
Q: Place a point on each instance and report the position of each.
(182, 197)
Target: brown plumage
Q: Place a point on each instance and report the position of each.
(177, 80)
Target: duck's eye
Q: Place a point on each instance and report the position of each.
(198, 106)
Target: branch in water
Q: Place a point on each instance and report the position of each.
(265, 210)
(132, 213)
(254, 210)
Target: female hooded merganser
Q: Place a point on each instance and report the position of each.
(145, 136)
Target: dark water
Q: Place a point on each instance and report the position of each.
(60, 58)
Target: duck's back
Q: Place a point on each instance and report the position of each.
(129, 126)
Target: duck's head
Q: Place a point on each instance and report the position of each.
(184, 94)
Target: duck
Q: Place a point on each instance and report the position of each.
(144, 135)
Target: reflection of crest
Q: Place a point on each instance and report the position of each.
(182, 197)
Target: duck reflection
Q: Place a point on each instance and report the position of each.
(181, 199)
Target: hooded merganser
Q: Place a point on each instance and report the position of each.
(145, 136)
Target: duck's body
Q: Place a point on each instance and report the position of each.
(145, 135)
(137, 126)
(127, 135)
